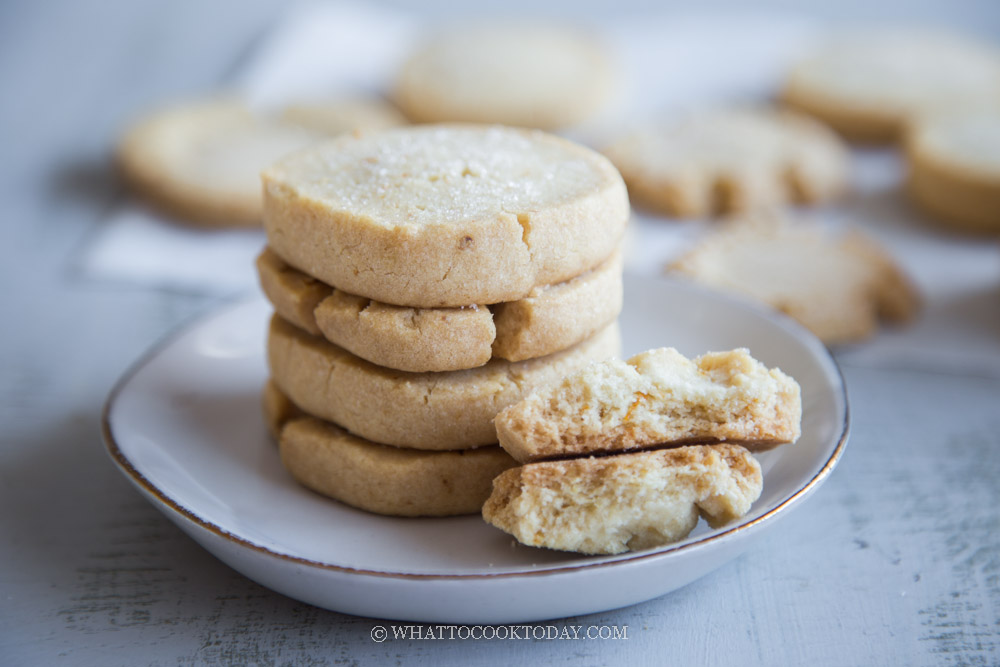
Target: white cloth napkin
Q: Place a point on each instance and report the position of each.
(669, 62)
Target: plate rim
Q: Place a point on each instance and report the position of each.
(152, 491)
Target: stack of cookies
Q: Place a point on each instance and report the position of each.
(423, 279)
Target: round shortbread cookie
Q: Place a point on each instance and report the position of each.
(730, 160)
(389, 480)
(380, 478)
(336, 116)
(869, 85)
(527, 76)
(452, 410)
(551, 318)
(954, 169)
(838, 288)
(444, 215)
(202, 162)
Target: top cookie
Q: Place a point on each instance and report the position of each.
(868, 86)
(730, 160)
(528, 76)
(336, 116)
(444, 215)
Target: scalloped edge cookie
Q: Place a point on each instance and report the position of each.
(730, 160)
(837, 286)
(550, 319)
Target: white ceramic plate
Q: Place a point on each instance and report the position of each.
(184, 425)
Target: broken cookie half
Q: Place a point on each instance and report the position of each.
(613, 504)
(655, 398)
(627, 455)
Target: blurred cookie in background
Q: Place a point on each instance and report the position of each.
(200, 162)
(869, 85)
(953, 169)
(838, 287)
(336, 116)
(730, 160)
(539, 76)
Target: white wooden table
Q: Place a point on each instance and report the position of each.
(896, 560)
